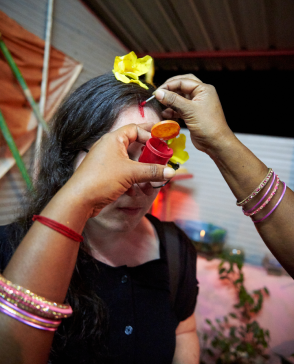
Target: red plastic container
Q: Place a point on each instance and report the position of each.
(156, 151)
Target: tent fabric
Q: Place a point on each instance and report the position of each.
(28, 51)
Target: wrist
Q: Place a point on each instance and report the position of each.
(220, 146)
(68, 207)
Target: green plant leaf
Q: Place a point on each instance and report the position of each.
(238, 305)
(222, 270)
(233, 315)
(221, 264)
(208, 322)
(239, 280)
(209, 352)
(232, 331)
(249, 349)
(266, 291)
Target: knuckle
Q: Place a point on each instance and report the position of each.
(210, 88)
(153, 170)
(171, 100)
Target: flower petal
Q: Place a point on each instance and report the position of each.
(140, 83)
(178, 145)
(143, 65)
(121, 77)
(129, 61)
(180, 157)
(118, 65)
(132, 75)
(131, 66)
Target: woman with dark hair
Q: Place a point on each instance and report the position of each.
(118, 280)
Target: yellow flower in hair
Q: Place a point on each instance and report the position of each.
(178, 145)
(128, 68)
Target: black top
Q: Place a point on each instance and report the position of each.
(142, 321)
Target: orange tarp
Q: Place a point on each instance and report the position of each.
(28, 51)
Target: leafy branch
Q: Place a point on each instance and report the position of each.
(237, 337)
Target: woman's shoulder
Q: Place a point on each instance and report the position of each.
(169, 228)
(181, 255)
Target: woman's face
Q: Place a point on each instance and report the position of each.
(126, 212)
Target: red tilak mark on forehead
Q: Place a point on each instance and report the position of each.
(141, 109)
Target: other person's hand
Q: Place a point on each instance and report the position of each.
(107, 172)
(198, 105)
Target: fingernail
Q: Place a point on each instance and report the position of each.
(168, 173)
(159, 94)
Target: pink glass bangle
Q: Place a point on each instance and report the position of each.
(267, 200)
(257, 190)
(276, 205)
(15, 291)
(27, 292)
(12, 313)
(260, 201)
(26, 302)
(28, 314)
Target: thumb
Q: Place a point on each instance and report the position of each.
(176, 102)
(145, 172)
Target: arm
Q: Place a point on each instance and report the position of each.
(242, 170)
(187, 343)
(45, 259)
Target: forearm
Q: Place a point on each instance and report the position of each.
(187, 349)
(243, 172)
(205, 119)
(44, 263)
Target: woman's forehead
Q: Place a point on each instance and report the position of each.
(132, 115)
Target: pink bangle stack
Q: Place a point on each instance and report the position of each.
(260, 204)
(257, 190)
(29, 308)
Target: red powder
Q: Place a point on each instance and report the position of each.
(141, 109)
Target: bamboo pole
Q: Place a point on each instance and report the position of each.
(22, 83)
(13, 148)
(44, 82)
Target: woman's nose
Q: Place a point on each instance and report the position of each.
(140, 188)
(132, 191)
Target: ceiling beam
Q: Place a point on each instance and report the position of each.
(172, 26)
(222, 54)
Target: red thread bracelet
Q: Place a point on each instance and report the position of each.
(62, 229)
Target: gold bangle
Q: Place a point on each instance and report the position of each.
(257, 190)
(33, 295)
(25, 305)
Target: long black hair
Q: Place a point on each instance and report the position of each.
(87, 114)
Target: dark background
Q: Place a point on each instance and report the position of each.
(254, 102)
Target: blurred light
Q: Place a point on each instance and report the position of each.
(236, 251)
(202, 233)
